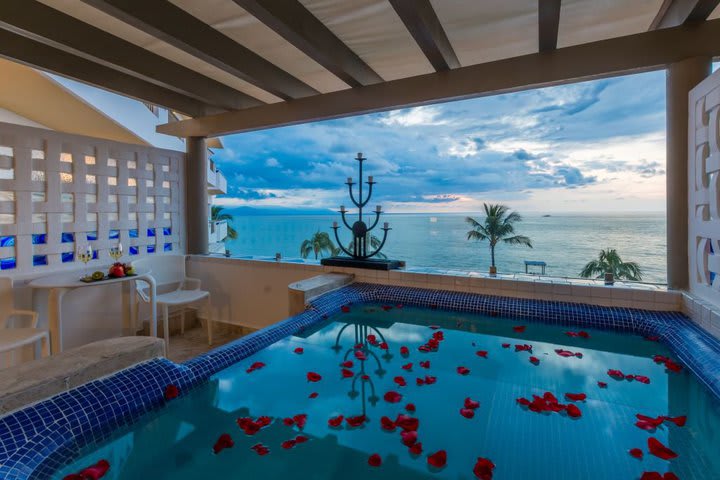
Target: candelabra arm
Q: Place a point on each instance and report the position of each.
(385, 231)
(362, 204)
(352, 197)
(337, 239)
(344, 221)
(377, 219)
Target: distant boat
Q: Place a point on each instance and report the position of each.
(546, 216)
(433, 219)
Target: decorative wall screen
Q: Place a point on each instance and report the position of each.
(59, 191)
(704, 189)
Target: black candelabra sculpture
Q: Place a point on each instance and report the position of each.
(360, 257)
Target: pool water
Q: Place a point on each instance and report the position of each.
(177, 442)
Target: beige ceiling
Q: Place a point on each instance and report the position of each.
(479, 31)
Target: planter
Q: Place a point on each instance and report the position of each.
(609, 280)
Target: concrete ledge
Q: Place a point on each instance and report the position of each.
(34, 381)
(302, 292)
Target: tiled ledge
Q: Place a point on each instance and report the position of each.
(704, 313)
(592, 292)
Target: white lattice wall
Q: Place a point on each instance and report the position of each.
(58, 191)
(704, 189)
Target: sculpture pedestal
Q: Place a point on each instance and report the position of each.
(370, 263)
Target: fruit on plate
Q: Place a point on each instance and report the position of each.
(98, 275)
(116, 270)
(129, 269)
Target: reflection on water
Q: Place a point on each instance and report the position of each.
(177, 442)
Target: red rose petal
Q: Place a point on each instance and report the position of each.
(470, 403)
(384, 346)
(481, 353)
(467, 412)
(288, 444)
(483, 469)
(171, 392)
(523, 348)
(372, 339)
(523, 401)
(408, 438)
(313, 395)
(301, 439)
(636, 452)
(437, 459)
(534, 360)
(347, 373)
(299, 350)
(642, 379)
(288, 422)
(400, 381)
(419, 381)
(660, 450)
(407, 423)
(652, 338)
(404, 351)
(387, 307)
(348, 364)
(616, 374)
(416, 449)
(335, 421)
(463, 370)
(658, 476)
(602, 384)
(345, 309)
(519, 329)
(365, 377)
(374, 460)
(410, 407)
(576, 397)
(679, 421)
(425, 364)
(429, 379)
(434, 327)
(506, 345)
(407, 366)
(392, 397)
(255, 366)
(313, 377)
(260, 449)
(356, 421)
(387, 424)
(573, 411)
(93, 472)
(223, 442)
(300, 420)
(672, 366)
(360, 355)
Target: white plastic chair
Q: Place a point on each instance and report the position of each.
(13, 336)
(175, 289)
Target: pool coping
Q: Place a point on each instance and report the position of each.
(38, 439)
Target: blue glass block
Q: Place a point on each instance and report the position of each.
(151, 249)
(39, 239)
(95, 254)
(91, 236)
(39, 260)
(134, 250)
(167, 231)
(7, 263)
(67, 237)
(167, 247)
(114, 234)
(67, 257)
(150, 232)
(7, 241)
(133, 233)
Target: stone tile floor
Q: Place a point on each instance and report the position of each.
(193, 342)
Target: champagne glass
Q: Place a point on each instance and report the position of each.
(85, 254)
(116, 252)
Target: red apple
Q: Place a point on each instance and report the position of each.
(116, 271)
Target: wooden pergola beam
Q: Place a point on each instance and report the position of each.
(296, 24)
(678, 12)
(34, 20)
(629, 54)
(548, 24)
(180, 29)
(44, 57)
(423, 24)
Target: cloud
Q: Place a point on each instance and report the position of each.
(413, 117)
(272, 162)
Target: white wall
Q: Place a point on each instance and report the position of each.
(11, 117)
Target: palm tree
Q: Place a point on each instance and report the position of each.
(319, 243)
(609, 261)
(498, 226)
(217, 215)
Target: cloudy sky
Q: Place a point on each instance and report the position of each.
(594, 146)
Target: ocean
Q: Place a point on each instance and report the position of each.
(566, 242)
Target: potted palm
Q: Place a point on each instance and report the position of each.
(498, 226)
(610, 266)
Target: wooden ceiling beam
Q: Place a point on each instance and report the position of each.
(605, 58)
(182, 30)
(50, 59)
(548, 24)
(296, 24)
(423, 24)
(34, 20)
(678, 12)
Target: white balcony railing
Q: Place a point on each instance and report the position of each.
(216, 182)
(217, 231)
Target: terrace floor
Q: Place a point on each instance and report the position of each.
(193, 342)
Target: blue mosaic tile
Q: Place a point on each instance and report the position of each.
(91, 236)
(133, 232)
(134, 250)
(151, 249)
(150, 232)
(7, 241)
(39, 239)
(167, 247)
(114, 234)
(36, 441)
(167, 231)
(67, 237)
(39, 260)
(8, 263)
(67, 257)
